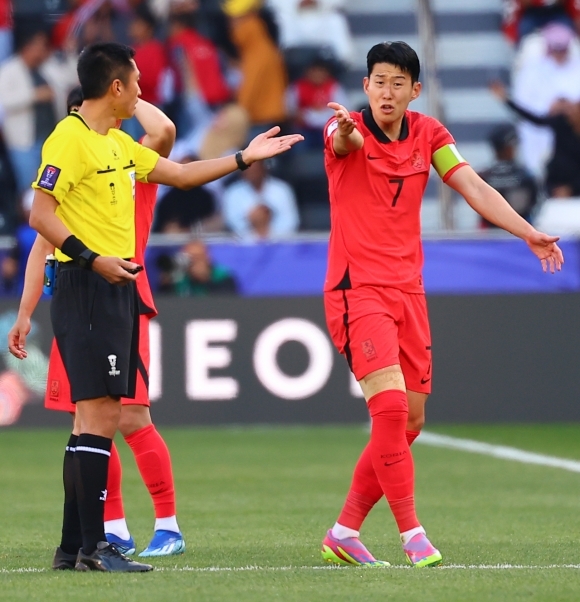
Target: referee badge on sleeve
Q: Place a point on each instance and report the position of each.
(49, 177)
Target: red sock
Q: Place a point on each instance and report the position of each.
(365, 492)
(391, 455)
(114, 500)
(154, 463)
(411, 436)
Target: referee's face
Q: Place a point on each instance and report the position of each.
(128, 95)
(390, 91)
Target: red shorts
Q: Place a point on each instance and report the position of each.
(375, 327)
(57, 396)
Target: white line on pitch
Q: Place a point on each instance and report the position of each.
(497, 451)
(234, 569)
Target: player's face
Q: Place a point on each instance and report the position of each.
(390, 91)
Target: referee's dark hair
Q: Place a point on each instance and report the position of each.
(74, 98)
(100, 65)
(399, 54)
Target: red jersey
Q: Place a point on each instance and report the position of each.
(513, 10)
(205, 64)
(145, 198)
(151, 60)
(375, 202)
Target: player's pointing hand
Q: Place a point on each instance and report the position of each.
(546, 250)
(346, 123)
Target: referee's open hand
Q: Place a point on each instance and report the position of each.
(17, 337)
(114, 269)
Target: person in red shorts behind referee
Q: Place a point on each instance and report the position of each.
(151, 453)
(378, 163)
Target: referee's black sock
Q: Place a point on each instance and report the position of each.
(91, 467)
(71, 540)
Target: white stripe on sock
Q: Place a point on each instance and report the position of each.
(93, 450)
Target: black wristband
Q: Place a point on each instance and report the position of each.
(242, 165)
(78, 252)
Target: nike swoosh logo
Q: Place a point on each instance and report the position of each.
(395, 462)
(371, 158)
(425, 381)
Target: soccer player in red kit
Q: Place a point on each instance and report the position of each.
(378, 163)
(150, 450)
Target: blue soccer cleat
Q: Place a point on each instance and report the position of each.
(165, 543)
(125, 546)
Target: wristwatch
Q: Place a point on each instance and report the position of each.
(242, 165)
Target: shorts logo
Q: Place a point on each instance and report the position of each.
(369, 350)
(49, 177)
(113, 361)
(417, 161)
(54, 392)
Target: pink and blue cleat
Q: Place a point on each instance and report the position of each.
(420, 552)
(348, 552)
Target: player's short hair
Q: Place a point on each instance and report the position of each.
(99, 65)
(399, 54)
(74, 98)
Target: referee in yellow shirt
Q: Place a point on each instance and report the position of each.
(84, 205)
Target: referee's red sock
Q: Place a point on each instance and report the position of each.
(391, 455)
(114, 502)
(154, 463)
(365, 492)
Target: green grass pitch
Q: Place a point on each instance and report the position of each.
(260, 500)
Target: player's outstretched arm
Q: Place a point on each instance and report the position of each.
(494, 208)
(196, 173)
(347, 138)
(159, 129)
(33, 281)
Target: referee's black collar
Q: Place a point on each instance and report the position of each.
(370, 122)
(79, 117)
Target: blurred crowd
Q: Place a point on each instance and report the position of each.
(540, 155)
(223, 70)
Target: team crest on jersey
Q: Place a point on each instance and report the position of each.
(417, 161)
(369, 350)
(49, 177)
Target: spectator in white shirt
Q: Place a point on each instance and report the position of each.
(259, 206)
(543, 80)
(315, 23)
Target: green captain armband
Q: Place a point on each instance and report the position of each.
(446, 160)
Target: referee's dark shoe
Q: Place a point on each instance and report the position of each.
(63, 561)
(108, 559)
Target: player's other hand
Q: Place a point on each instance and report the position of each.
(269, 144)
(115, 269)
(17, 337)
(346, 123)
(544, 247)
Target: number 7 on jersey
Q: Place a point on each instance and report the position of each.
(399, 182)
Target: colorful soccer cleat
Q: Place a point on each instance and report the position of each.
(348, 552)
(125, 546)
(420, 552)
(165, 543)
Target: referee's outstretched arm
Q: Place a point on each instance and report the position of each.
(50, 227)
(196, 173)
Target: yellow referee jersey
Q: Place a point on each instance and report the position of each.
(92, 177)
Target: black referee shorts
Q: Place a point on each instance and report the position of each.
(96, 327)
